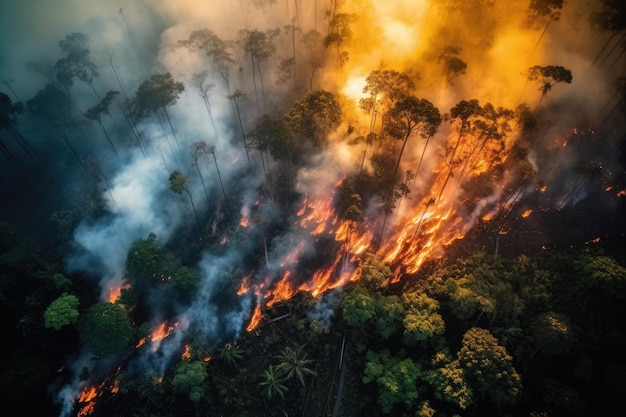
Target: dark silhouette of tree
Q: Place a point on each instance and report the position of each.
(314, 46)
(199, 81)
(200, 150)
(236, 98)
(538, 9)
(52, 104)
(8, 121)
(548, 76)
(314, 116)
(179, 183)
(385, 87)
(211, 150)
(453, 66)
(408, 116)
(339, 31)
(103, 107)
(155, 95)
(259, 47)
(77, 63)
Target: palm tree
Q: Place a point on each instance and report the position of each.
(231, 354)
(294, 363)
(272, 383)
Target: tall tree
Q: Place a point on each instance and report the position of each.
(77, 62)
(8, 121)
(314, 116)
(547, 76)
(156, 94)
(103, 107)
(259, 47)
(106, 330)
(179, 183)
(199, 81)
(408, 116)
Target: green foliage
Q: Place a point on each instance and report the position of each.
(61, 312)
(145, 260)
(187, 280)
(179, 182)
(489, 367)
(421, 320)
(375, 274)
(294, 363)
(553, 333)
(358, 307)
(156, 93)
(314, 116)
(396, 379)
(105, 329)
(189, 379)
(272, 383)
(449, 382)
(389, 315)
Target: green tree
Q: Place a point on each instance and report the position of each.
(258, 45)
(187, 281)
(553, 333)
(106, 330)
(396, 379)
(294, 363)
(489, 368)
(314, 116)
(272, 383)
(422, 320)
(179, 183)
(155, 95)
(8, 121)
(103, 107)
(449, 382)
(411, 115)
(144, 260)
(358, 306)
(189, 379)
(61, 312)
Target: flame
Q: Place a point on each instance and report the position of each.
(186, 353)
(527, 213)
(622, 193)
(257, 315)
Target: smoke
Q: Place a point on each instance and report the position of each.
(131, 40)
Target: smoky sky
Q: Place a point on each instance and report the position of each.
(130, 40)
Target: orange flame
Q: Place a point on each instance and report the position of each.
(527, 213)
(255, 319)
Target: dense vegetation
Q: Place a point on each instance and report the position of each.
(523, 316)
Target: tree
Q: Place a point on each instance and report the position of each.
(189, 379)
(95, 113)
(489, 368)
(144, 260)
(259, 47)
(358, 306)
(199, 81)
(396, 379)
(8, 120)
(156, 94)
(272, 383)
(548, 76)
(449, 382)
(314, 116)
(76, 63)
(187, 281)
(453, 66)
(314, 46)
(179, 183)
(422, 320)
(553, 333)
(408, 116)
(385, 87)
(53, 105)
(200, 150)
(106, 330)
(61, 312)
(543, 8)
(231, 353)
(294, 363)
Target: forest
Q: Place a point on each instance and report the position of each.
(321, 208)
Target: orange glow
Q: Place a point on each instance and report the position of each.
(527, 213)
(255, 319)
(245, 286)
(186, 354)
(622, 193)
